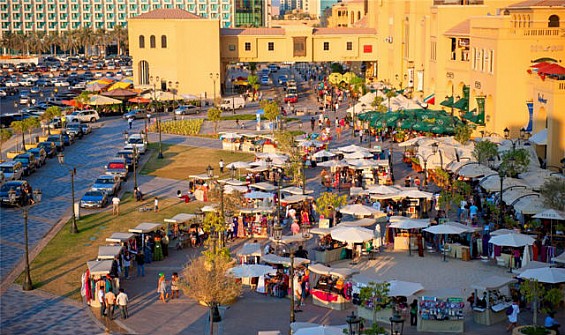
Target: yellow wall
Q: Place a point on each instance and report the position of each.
(187, 41)
(342, 14)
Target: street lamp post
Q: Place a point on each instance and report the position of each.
(174, 88)
(214, 77)
(303, 177)
(514, 142)
(279, 185)
(12, 197)
(435, 148)
(353, 323)
(73, 171)
(154, 81)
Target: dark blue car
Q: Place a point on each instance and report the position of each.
(94, 199)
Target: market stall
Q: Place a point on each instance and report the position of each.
(441, 313)
(121, 238)
(490, 308)
(329, 250)
(145, 228)
(109, 252)
(100, 273)
(250, 253)
(184, 228)
(330, 287)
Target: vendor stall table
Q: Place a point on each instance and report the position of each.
(120, 237)
(401, 242)
(329, 255)
(327, 296)
(492, 314)
(457, 250)
(441, 315)
(109, 251)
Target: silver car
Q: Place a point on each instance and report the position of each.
(106, 183)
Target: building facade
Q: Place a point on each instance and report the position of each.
(252, 13)
(62, 15)
(347, 13)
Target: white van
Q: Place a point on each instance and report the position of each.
(138, 141)
(232, 102)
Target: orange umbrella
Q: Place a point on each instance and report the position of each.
(139, 100)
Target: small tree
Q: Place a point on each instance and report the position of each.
(328, 201)
(215, 115)
(48, 116)
(377, 101)
(484, 150)
(463, 133)
(553, 193)
(31, 124)
(375, 296)
(5, 135)
(20, 128)
(272, 111)
(515, 162)
(206, 280)
(390, 94)
(535, 292)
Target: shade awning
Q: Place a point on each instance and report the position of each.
(448, 102)
(339, 272)
(144, 228)
(99, 268)
(285, 261)
(181, 218)
(462, 104)
(539, 138)
(493, 283)
(109, 251)
(119, 237)
(250, 249)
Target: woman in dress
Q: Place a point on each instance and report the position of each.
(162, 287)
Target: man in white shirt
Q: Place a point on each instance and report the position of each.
(377, 205)
(115, 205)
(122, 301)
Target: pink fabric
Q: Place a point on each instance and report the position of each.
(324, 296)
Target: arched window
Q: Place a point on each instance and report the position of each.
(359, 15)
(352, 17)
(152, 42)
(553, 21)
(143, 72)
(163, 41)
(141, 41)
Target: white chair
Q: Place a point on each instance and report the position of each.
(501, 261)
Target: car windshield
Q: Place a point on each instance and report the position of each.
(94, 194)
(6, 169)
(135, 141)
(73, 126)
(22, 159)
(104, 181)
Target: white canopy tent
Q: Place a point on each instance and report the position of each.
(109, 251)
(339, 272)
(120, 237)
(181, 218)
(285, 261)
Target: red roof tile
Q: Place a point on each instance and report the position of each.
(167, 14)
(251, 31)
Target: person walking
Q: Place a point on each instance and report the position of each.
(513, 316)
(140, 261)
(156, 205)
(312, 123)
(162, 287)
(122, 300)
(102, 300)
(130, 122)
(175, 286)
(414, 313)
(110, 304)
(115, 205)
(221, 166)
(126, 261)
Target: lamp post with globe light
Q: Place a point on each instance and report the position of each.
(435, 149)
(73, 171)
(154, 81)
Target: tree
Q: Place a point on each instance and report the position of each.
(515, 162)
(120, 36)
(375, 296)
(390, 94)
(252, 68)
(20, 128)
(272, 111)
(337, 67)
(535, 293)
(463, 133)
(48, 116)
(5, 135)
(30, 124)
(553, 193)
(207, 281)
(215, 115)
(286, 144)
(377, 101)
(327, 202)
(485, 150)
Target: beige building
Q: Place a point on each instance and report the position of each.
(348, 13)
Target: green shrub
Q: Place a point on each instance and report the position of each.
(179, 127)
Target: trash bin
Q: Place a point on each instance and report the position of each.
(466, 254)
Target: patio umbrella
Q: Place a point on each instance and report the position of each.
(410, 224)
(512, 240)
(120, 93)
(333, 163)
(358, 209)
(560, 258)
(320, 330)
(208, 209)
(550, 214)
(352, 148)
(139, 100)
(502, 232)
(445, 229)
(352, 234)
(403, 288)
(382, 189)
(95, 87)
(367, 222)
(296, 190)
(99, 100)
(299, 325)
(545, 275)
(416, 194)
(238, 165)
(323, 153)
(358, 155)
(251, 270)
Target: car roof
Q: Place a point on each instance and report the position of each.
(8, 163)
(105, 176)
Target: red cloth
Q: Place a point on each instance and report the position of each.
(324, 296)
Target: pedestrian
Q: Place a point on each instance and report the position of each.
(126, 261)
(130, 122)
(115, 205)
(162, 287)
(122, 300)
(295, 227)
(551, 324)
(156, 205)
(175, 286)
(312, 123)
(517, 259)
(221, 166)
(360, 135)
(140, 261)
(414, 312)
(513, 316)
(110, 304)
(101, 299)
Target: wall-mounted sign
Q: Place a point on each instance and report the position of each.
(478, 85)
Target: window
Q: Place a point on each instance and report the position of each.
(491, 63)
(247, 46)
(349, 46)
(433, 50)
(163, 41)
(141, 41)
(326, 46)
(553, 21)
(231, 47)
(152, 42)
(271, 46)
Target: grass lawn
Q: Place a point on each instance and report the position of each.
(180, 161)
(58, 268)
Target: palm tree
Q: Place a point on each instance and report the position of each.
(51, 41)
(86, 38)
(120, 36)
(101, 40)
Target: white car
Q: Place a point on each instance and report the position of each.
(12, 84)
(138, 141)
(88, 115)
(61, 83)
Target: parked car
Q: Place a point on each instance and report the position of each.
(94, 199)
(292, 98)
(106, 183)
(86, 129)
(135, 114)
(49, 147)
(28, 161)
(117, 166)
(17, 186)
(40, 155)
(186, 110)
(75, 129)
(139, 141)
(88, 115)
(283, 79)
(68, 138)
(57, 139)
(13, 170)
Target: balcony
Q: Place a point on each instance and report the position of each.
(458, 2)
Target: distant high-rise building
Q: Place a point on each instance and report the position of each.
(252, 13)
(289, 5)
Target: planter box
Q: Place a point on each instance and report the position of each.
(43, 138)
(518, 330)
(12, 154)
